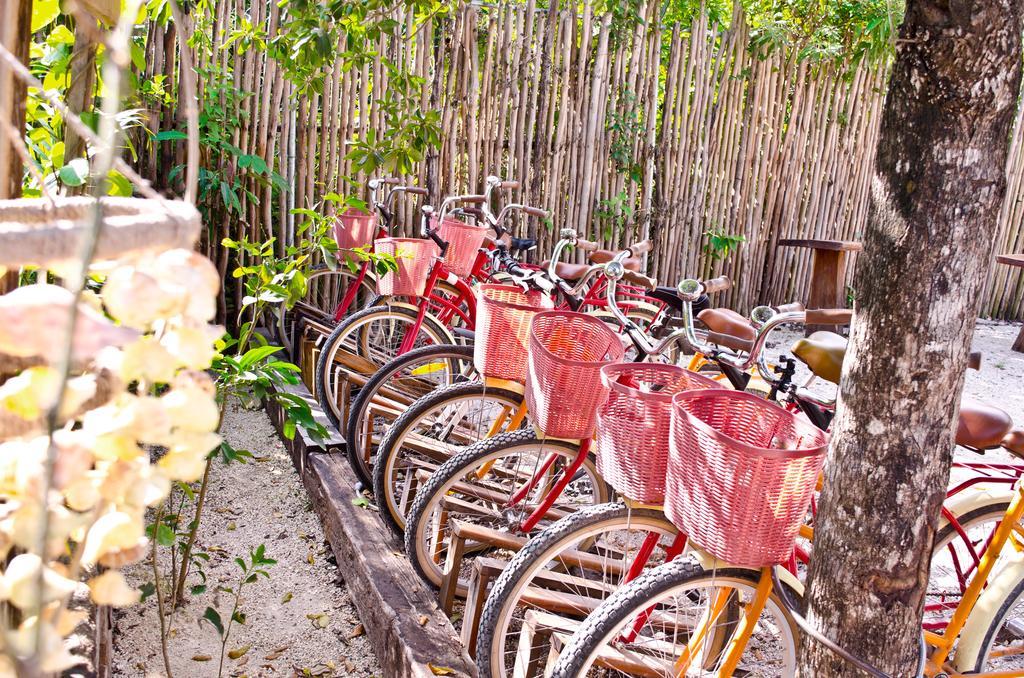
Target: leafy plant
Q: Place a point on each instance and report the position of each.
(616, 212)
(721, 244)
(252, 569)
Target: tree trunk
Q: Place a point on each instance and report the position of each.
(938, 186)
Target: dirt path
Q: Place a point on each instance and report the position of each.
(300, 622)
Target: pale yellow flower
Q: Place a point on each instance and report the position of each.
(21, 575)
(110, 588)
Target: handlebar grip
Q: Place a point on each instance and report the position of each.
(474, 212)
(639, 279)
(642, 247)
(511, 184)
(388, 180)
(792, 307)
(586, 245)
(719, 284)
(473, 199)
(729, 341)
(536, 212)
(828, 316)
(416, 190)
(974, 360)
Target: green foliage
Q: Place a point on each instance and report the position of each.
(720, 244)
(626, 126)
(838, 30)
(616, 212)
(257, 565)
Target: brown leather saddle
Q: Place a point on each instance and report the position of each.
(980, 427)
(728, 328)
(567, 271)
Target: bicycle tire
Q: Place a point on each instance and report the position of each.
(655, 585)
(460, 466)
(431, 328)
(390, 449)
(506, 591)
(360, 404)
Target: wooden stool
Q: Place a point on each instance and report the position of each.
(828, 273)
(1018, 261)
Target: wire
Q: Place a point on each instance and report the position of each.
(806, 627)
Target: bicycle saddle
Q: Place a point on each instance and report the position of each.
(604, 256)
(981, 426)
(522, 244)
(728, 325)
(1014, 441)
(823, 353)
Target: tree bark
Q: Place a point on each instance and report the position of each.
(938, 186)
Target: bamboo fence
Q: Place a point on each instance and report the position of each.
(714, 137)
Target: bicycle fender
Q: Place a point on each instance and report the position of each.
(980, 496)
(1006, 577)
(709, 562)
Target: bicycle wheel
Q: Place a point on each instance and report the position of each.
(993, 638)
(435, 428)
(953, 565)
(568, 569)
(395, 386)
(674, 612)
(475, 487)
(325, 290)
(365, 342)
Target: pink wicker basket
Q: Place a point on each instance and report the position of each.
(354, 228)
(741, 474)
(503, 315)
(563, 377)
(633, 425)
(464, 242)
(415, 257)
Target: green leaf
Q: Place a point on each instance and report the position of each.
(44, 12)
(198, 589)
(288, 430)
(75, 172)
(213, 617)
(255, 355)
(170, 135)
(147, 589)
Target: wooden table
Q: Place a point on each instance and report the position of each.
(1018, 261)
(828, 275)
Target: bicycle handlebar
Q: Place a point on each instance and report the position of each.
(719, 284)
(642, 247)
(790, 307)
(828, 316)
(586, 245)
(639, 279)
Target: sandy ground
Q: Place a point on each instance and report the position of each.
(300, 622)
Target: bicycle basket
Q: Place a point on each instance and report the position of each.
(563, 378)
(741, 474)
(464, 242)
(354, 228)
(632, 439)
(414, 257)
(503, 315)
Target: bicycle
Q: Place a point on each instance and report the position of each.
(974, 641)
(449, 419)
(529, 583)
(373, 336)
(332, 292)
